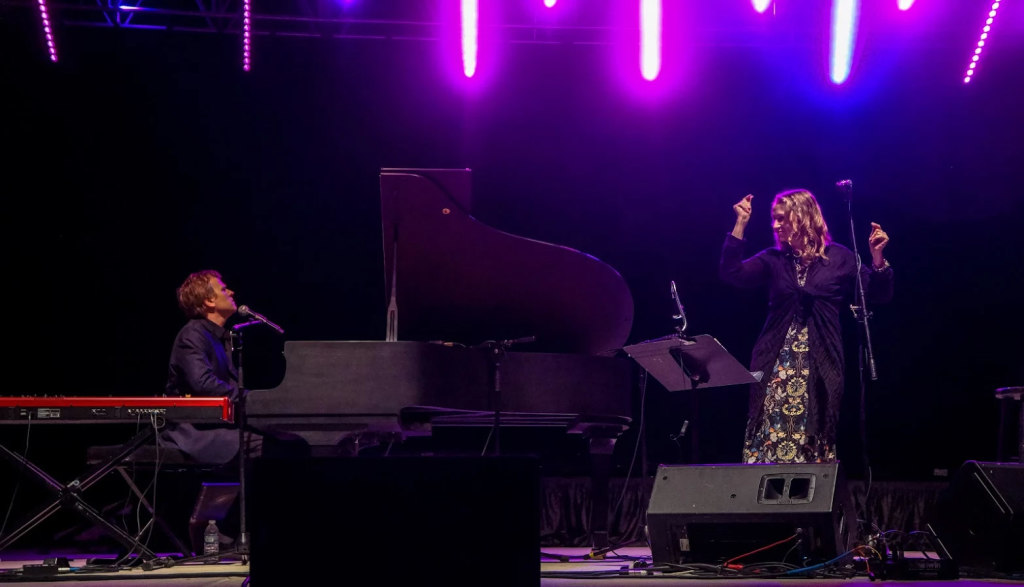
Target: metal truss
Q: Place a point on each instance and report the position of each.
(369, 19)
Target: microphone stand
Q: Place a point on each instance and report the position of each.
(694, 396)
(497, 351)
(243, 533)
(860, 305)
(865, 353)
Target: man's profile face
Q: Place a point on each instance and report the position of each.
(223, 300)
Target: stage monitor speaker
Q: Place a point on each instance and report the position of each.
(395, 521)
(980, 517)
(713, 513)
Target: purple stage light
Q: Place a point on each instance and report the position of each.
(550, 3)
(905, 4)
(650, 39)
(246, 34)
(844, 37)
(761, 5)
(976, 57)
(470, 17)
(47, 31)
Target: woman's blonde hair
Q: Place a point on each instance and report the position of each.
(809, 231)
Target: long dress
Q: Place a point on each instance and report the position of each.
(781, 434)
(794, 410)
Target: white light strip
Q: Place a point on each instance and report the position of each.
(47, 31)
(470, 15)
(844, 38)
(650, 39)
(976, 56)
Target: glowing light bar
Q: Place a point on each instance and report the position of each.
(650, 39)
(761, 5)
(976, 56)
(246, 34)
(470, 12)
(550, 3)
(47, 31)
(844, 36)
(905, 4)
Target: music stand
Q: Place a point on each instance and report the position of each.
(681, 362)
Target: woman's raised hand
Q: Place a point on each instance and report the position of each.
(742, 210)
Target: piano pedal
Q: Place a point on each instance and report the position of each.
(357, 442)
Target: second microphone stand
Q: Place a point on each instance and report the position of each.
(496, 352)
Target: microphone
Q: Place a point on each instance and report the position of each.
(845, 187)
(679, 306)
(675, 298)
(246, 311)
(682, 431)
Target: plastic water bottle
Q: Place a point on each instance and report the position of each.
(211, 541)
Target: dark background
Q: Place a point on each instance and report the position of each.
(145, 155)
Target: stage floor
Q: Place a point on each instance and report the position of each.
(558, 567)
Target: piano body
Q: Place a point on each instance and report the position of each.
(460, 292)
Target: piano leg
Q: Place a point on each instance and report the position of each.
(601, 449)
(601, 437)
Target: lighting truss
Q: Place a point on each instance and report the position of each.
(407, 20)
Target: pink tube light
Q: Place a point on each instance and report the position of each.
(470, 15)
(650, 39)
(47, 31)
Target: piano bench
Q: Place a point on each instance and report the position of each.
(212, 502)
(145, 455)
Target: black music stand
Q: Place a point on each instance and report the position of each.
(682, 362)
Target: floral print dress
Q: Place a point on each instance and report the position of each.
(781, 436)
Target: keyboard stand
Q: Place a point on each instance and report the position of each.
(69, 495)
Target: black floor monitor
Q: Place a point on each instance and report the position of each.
(713, 514)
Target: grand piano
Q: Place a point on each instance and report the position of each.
(484, 328)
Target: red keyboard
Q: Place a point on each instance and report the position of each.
(114, 409)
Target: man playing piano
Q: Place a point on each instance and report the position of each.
(201, 365)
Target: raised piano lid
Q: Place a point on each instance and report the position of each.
(458, 279)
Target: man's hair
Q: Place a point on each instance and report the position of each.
(810, 233)
(195, 291)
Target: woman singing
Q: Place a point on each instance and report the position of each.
(794, 409)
